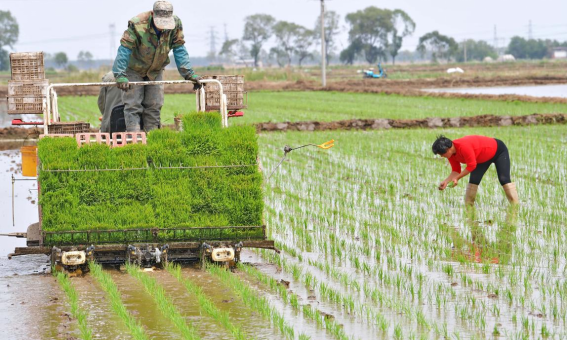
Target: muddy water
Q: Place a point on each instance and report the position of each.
(101, 318)
(33, 307)
(188, 306)
(225, 300)
(534, 91)
(310, 296)
(25, 202)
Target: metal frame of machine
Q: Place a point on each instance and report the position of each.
(146, 247)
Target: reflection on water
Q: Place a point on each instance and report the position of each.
(25, 201)
(535, 90)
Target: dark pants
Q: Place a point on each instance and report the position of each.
(142, 103)
(502, 162)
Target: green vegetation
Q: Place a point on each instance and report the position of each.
(308, 311)
(108, 285)
(364, 226)
(164, 303)
(206, 305)
(326, 106)
(76, 311)
(177, 180)
(251, 298)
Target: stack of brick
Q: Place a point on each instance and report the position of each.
(27, 91)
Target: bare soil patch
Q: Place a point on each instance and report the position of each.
(430, 123)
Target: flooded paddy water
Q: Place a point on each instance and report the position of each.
(370, 249)
(558, 91)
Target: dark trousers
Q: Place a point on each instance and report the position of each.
(502, 162)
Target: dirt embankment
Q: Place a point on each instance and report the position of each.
(19, 133)
(16, 133)
(412, 87)
(431, 123)
(407, 87)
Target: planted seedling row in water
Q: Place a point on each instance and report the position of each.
(254, 301)
(165, 304)
(108, 285)
(76, 311)
(206, 305)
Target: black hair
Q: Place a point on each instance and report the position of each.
(441, 145)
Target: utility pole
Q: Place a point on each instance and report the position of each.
(465, 49)
(112, 29)
(495, 41)
(323, 51)
(213, 43)
(530, 30)
(225, 33)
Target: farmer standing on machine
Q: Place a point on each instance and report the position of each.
(477, 152)
(142, 56)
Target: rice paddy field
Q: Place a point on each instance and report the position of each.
(325, 106)
(370, 249)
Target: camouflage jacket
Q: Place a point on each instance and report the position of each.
(150, 54)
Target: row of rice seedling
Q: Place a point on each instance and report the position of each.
(258, 303)
(327, 106)
(308, 311)
(76, 311)
(204, 176)
(164, 303)
(206, 305)
(385, 232)
(108, 285)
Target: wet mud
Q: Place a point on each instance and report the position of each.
(32, 306)
(224, 299)
(430, 123)
(104, 323)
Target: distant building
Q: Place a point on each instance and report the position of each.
(559, 53)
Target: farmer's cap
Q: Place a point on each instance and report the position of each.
(163, 15)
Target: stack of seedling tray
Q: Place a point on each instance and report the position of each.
(233, 88)
(27, 91)
(202, 177)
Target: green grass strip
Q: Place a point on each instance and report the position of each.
(308, 311)
(108, 285)
(165, 304)
(77, 312)
(251, 299)
(206, 305)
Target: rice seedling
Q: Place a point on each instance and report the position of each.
(308, 311)
(206, 305)
(253, 300)
(385, 234)
(159, 185)
(328, 106)
(76, 311)
(164, 303)
(108, 285)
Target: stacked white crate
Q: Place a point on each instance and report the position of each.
(27, 91)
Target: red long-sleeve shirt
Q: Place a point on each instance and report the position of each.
(472, 150)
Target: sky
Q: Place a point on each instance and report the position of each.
(84, 25)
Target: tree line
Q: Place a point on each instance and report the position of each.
(374, 34)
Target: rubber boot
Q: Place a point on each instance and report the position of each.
(470, 194)
(511, 193)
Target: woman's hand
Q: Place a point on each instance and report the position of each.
(443, 185)
(454, 182)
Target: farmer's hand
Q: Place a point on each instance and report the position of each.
(443, 185)
(454, 183)
(196, 81)
(122, 83)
